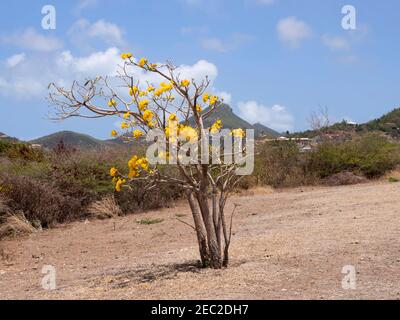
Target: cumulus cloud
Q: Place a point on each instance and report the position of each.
(293, 31)
(233, 42)
(32, 40)
(335, 42)
(31, 78)
(84, 4)
(15, 60)
(86, 34)
(275, 117)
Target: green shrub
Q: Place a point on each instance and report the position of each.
(371, 155)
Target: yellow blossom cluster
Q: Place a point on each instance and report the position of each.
(126, 55)
(137, 134)
(143, 105)
(240, 133)
(137, 164)
(119, 184)
(142, 62)
(114, 133)
(185, 83)
(211, 100)
(216, 126)
(188, 133)
(113, 172)
(112, 103)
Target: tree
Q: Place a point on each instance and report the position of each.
(320, 120)
(170, 115)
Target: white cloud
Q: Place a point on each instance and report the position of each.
(103, 63)
(84, 4)
(15, 60)
(293, 31)
(232, 43)
(275, 117)
(335, 42)
(32, 40)
(31, 78)
(82, 32)
(226, 96)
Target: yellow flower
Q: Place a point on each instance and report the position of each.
(198, 108)
(213, 100)
(152, 66)
(158, 92)
(137, 133)
(112, 103)
(188, 133)
(136, 164)
(151, 124)
(148, 115)
(126, 55)
(119, 184)
(133, 90)
(127, 115)
(216, 126)
(143, 105)
(113, 172)
(142, 62)
(142, 93)
(124, 125)
(206, 97)
(240, 133)
(150, 88)
(166, 86)
(114, 133)
(173, 117)
(185, 83)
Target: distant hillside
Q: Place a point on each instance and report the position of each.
(388, 123)
(262, 130)
(3, 136)
(231, 121)
(69, 138)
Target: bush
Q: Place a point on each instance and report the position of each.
(42, 204)
(280, 164)
(370, 155)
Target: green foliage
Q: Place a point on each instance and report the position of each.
(370, 155)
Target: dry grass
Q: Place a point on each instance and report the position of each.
(105, 208)
(14, 225)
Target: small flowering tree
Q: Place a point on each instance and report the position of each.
(171, 115)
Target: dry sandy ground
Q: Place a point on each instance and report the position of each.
(287, 245)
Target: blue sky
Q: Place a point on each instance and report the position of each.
(274, 61)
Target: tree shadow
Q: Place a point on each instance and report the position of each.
(156, 272)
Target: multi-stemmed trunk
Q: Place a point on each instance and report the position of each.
(209, 224)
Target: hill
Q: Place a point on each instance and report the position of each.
(69, 138)
(388, 123)
(231, 121)
(5, 137)
(262, 130)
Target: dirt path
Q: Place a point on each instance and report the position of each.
(287, 245)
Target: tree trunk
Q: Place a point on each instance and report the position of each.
(214, 249)
(200, 231)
